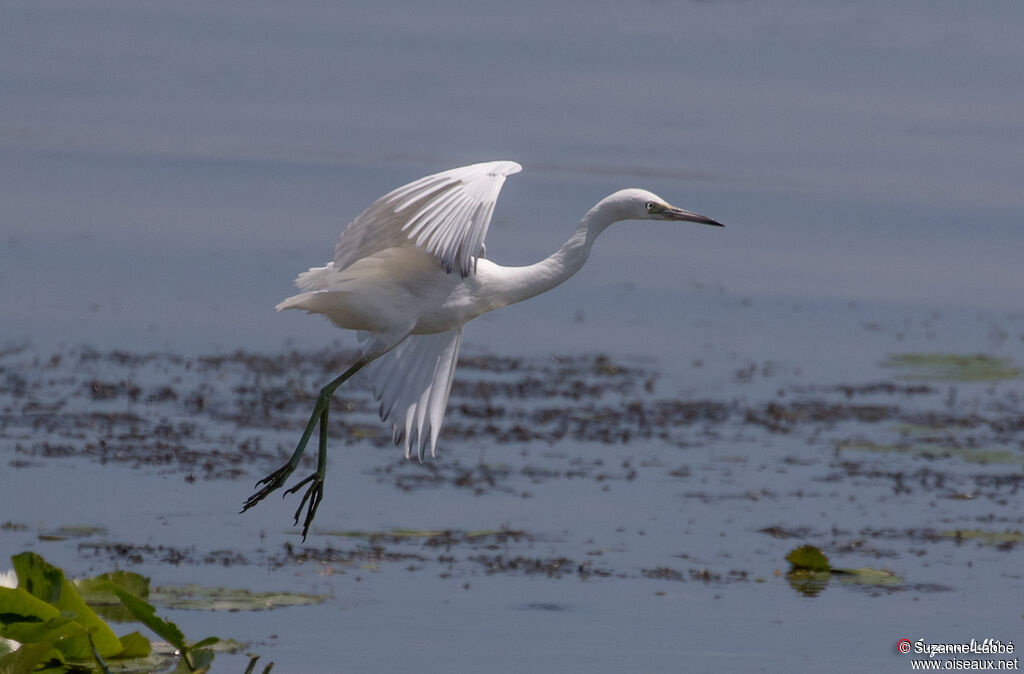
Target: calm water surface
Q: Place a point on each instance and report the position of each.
(166, 170)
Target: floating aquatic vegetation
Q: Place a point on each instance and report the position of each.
(585, 422)
(934, 451)
(808, 558)
(56, 625)
(952, 367)
(200, 598)
(63, 533)
(1001, 539)
(810, 572)
(57, 629)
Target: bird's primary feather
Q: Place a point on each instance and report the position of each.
(447, 214)
(412, 383)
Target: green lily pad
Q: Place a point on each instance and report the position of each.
(162, 658)
(199, 598)
(145, 613)
(985, 537)
(808, 558)
(98, 592)
(952, 367)
(63, 533)
(810, 572)
(985, 456)
(868, 576)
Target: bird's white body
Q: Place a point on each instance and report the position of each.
(405, 290)
(400, 290)
(410, 271)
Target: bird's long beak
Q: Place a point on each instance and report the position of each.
(673, 213)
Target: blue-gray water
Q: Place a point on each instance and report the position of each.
(167, 168)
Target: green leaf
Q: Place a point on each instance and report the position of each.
(38, 578)
(162, 658)
(61, 632)
(99, 659)
(96, 591)
(47, 582)
(27, 658)
(16, 602)
(184, 667)
(808, 558)
(98, 594)
(208, 641)
(116, 613)
(23, 616)
(197, 597)
(135, 646)
(201, 659)
(146, 614)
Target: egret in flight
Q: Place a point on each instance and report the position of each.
(408, 273)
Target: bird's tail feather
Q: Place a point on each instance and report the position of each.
(317, 278)
(295, 302)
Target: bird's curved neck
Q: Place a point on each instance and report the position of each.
(522, 283)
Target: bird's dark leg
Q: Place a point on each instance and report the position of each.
(315, 492)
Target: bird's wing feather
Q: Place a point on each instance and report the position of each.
(446, 214)
(412, 383)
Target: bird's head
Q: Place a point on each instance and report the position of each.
(635, 204)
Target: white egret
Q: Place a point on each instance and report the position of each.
(408, 273)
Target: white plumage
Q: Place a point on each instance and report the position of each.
(412, 383)
(445, 216)
(408, 273)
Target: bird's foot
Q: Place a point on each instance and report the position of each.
(313, 495)
(272, 482)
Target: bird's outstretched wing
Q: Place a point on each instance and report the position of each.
(412, 382)
(446, 214)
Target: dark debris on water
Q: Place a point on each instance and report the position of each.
(232, 416)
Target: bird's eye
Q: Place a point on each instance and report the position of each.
(650, 206)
